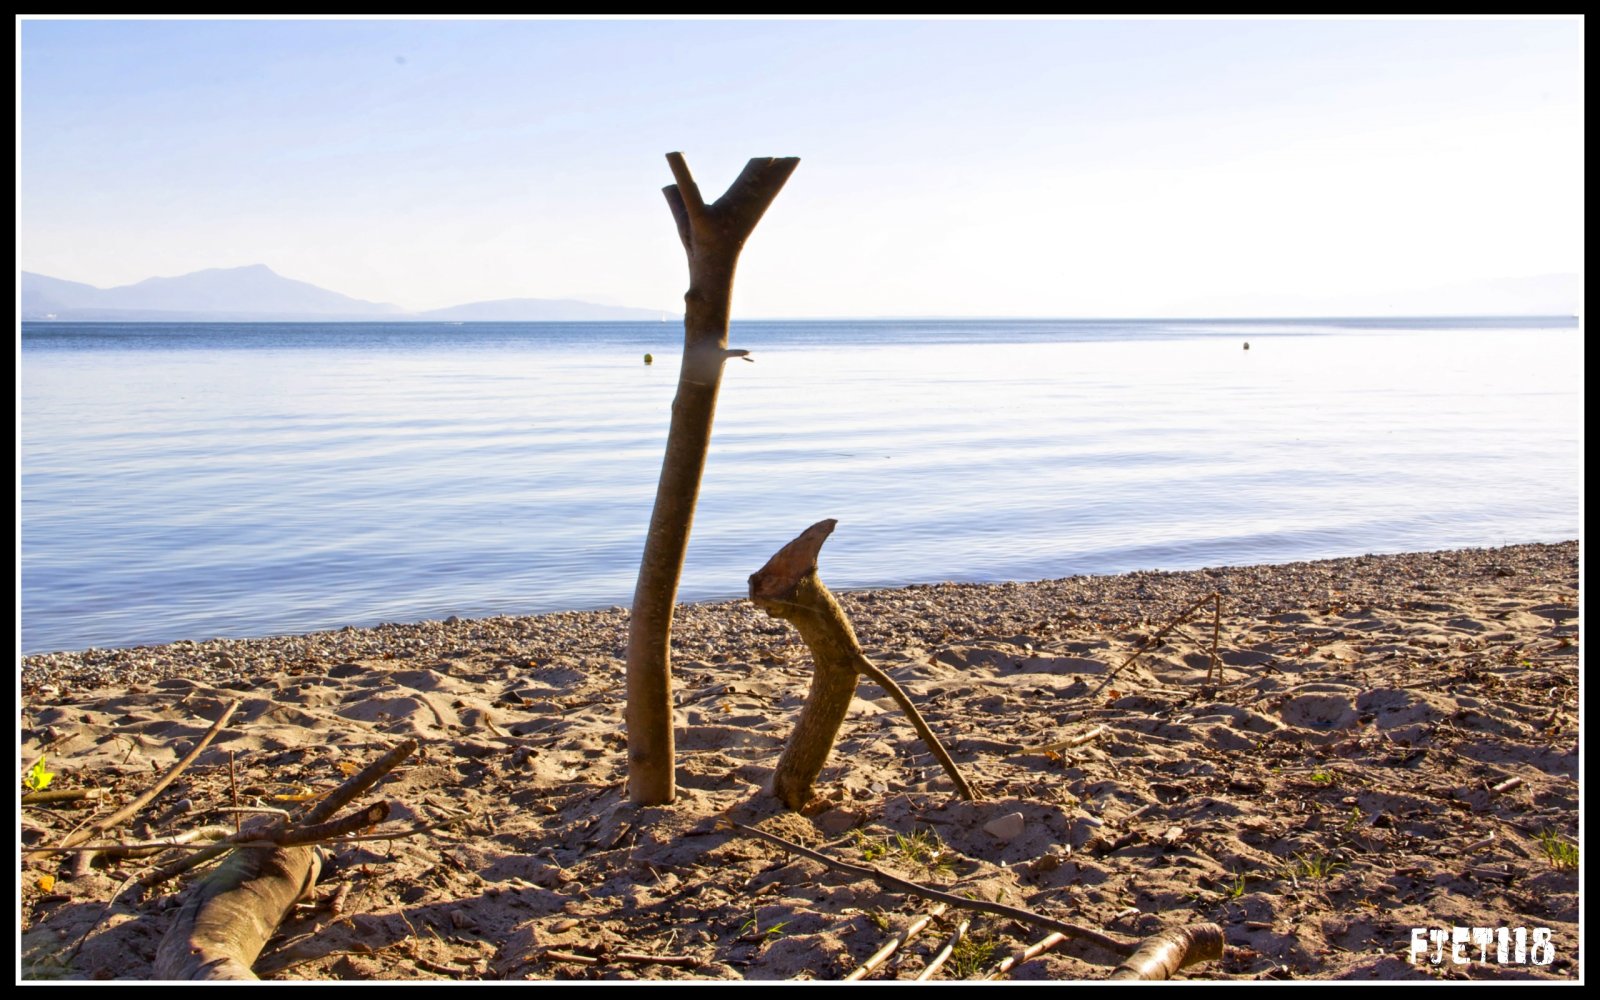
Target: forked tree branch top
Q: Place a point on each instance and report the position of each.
(733, 217)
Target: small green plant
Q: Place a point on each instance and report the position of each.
(1560, 853)
(38, 778)
(970, 957)
(1315, 867)
(923, 849)
(1353, 819)
(751, 929)
(1236, 888)
(871, 850)
(1323, 778)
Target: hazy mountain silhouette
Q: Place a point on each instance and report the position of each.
(258, 294)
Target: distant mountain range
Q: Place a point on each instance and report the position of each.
(257, 294)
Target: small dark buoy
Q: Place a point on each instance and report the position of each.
(1246, 347)
(650, 361)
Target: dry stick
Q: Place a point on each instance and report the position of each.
(634, 957)
(943, 955)
(326, 807)
(51, 796)
(410, 831)
(1067, 744)
(128, 811)
(713, 236)
(1216, 636)
(336, 904)
(281, 838)
(886, 682)
(370, 816)
(356, 784)
(1171, 950)
(141, 848)
(1032, 952)
(254, 811)
(567, 956)
(685, 961)
(881, 956)
(788, 587)
(233, 783)
(1154, 642)
(1105, 941)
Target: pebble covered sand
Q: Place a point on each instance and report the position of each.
(1350, 778)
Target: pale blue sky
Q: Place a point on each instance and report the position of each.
(1061, 168)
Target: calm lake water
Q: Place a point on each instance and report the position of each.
(192, 481)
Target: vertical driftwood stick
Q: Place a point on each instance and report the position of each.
(712, 237)
(787, 587)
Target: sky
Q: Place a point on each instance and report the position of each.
(959, 167)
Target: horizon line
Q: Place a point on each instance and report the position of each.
(987, 318)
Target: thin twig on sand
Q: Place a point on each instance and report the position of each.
(132, 808)
(899, 941)
(1109, 943)
(1154, 642)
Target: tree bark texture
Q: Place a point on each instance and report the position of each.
(712, 236)
(1171, 950)
(228, 918)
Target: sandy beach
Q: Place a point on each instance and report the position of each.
(1393, 744)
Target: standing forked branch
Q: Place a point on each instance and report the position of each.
(712, 237)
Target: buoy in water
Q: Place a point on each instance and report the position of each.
(650, 361)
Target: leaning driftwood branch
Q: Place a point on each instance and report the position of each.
(788, 587)
(1105, 941)
(1171, 950)
(370, 816)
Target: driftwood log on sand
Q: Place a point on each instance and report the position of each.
(1171, 950)
(227, 920)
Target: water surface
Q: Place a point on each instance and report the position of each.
(198, 480)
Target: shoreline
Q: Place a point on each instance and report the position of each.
(1393, 744)
(707, 625)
